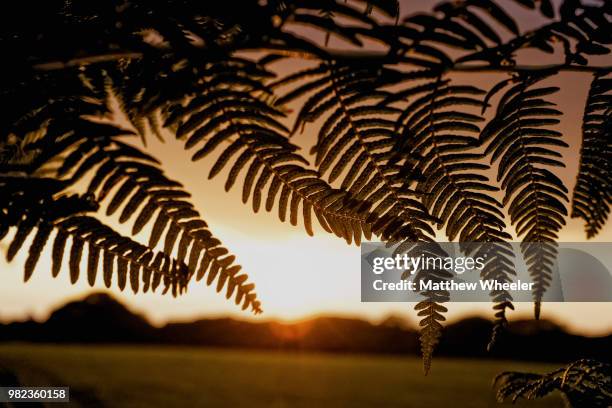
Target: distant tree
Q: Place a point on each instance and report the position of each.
(402, 144)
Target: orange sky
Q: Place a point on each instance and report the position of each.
(295, 275)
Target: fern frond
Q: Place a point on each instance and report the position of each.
(142, 102)
(39, 205)
(431, 309)
(348, 21)
(259, 145)
(30, 203)
(123, 257)
(584, 383)
(461, 11)
(428, 38)
(177, 224)
(519, 138)
(32, 198)
(593, 190)
(144, 194)
(583, 30)
(355, 144)
(439, 132)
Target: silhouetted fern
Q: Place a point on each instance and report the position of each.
(437, 134)
(519, 138)
(30, 210)
(230, 111)
(583, 383)
(593, 193)
(144, 188)
(356, 143)
(120, 255)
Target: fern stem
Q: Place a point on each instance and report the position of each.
(527, 68)
(90, 59)
(377, 57)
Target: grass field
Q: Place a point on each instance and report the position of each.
(141, 376)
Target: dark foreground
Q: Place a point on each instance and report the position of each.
(133, 376)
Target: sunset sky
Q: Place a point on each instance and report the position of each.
(296, 276)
